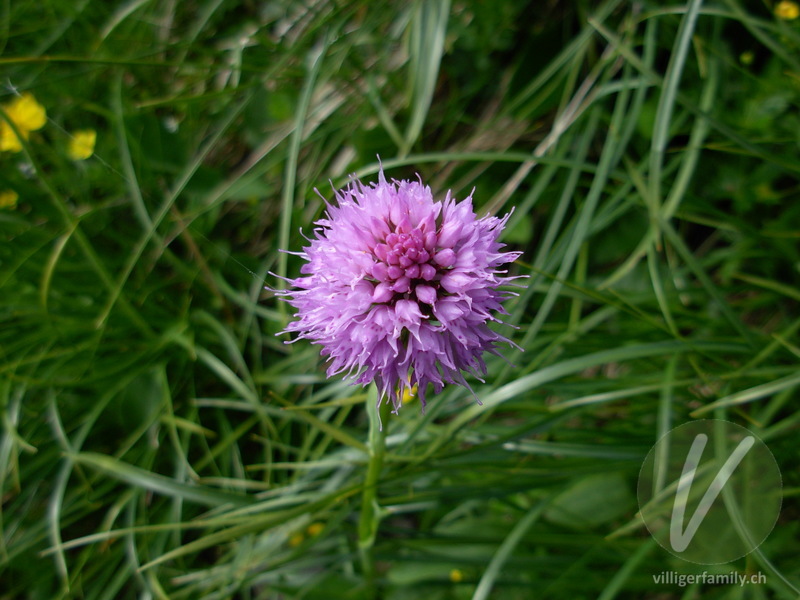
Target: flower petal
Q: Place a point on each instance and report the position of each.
(426, 294)
(456, 282)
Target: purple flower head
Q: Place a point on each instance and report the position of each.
(398, 288)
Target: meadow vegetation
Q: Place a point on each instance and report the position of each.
(159, 440)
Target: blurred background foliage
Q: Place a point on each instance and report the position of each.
(159, 441)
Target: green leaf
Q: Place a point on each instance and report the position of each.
(591, 501)
(159, 484)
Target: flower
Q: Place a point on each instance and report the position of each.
(81, 144)
(8, 199)
(408, 395)
(398, 289)
(787, 10)
(27, 115)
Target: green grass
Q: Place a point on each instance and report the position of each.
(158, 440)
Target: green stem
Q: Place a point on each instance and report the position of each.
(371, 512)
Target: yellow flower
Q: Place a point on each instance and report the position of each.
(787, 10)
(315, 529)
(409, 394)
(81, 144)
(8, 199)
(456, 576)
(296, 539)
(27, 115)
(26, 112)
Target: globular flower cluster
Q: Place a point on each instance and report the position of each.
(399, 289)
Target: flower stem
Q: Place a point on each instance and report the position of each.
(371, 512)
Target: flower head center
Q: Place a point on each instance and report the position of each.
(406, 263)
